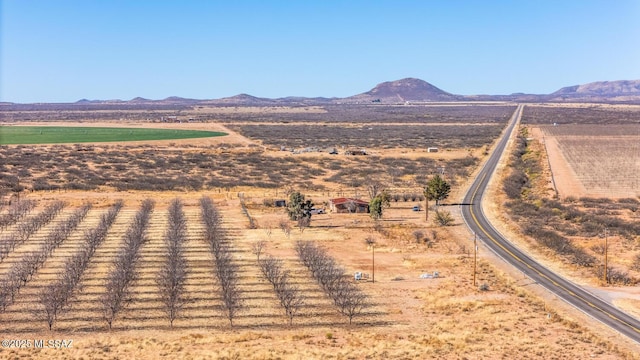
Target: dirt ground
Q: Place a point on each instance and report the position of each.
(608, 168)
(409, 317)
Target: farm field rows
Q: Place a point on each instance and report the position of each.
(202, 311)
(604, 158)
(419, 319)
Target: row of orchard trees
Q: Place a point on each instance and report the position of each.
(123, 271)
(18, 209)
(22, 271)
(173, 273)
(56, 296)
(288, 294)
(347, 297)
(226, 269)
(25, 229)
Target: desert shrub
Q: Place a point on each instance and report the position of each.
(615, 276)
(268, 202)
(514, 183)
(444, 218)
(636, 262)
(418, 235)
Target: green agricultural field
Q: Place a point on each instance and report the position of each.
(11, 135)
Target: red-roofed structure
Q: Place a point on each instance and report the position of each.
(348, 205)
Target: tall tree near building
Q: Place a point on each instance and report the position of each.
(378, 203)
(298, 207)
(437, 189)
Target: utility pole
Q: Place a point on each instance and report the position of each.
(606, 254)
(373, 262)
(426, 207)
(372, 242)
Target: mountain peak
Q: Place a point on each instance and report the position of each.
(139, 99)
(403, 90)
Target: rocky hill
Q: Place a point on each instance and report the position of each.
(401, 91)
(622, 90)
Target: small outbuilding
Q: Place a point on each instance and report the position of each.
(432, 149)
(348, 205)
(356, 152)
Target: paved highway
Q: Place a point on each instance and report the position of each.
(568, 291)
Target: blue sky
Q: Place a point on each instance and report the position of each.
(62, 51)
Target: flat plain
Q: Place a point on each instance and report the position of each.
(409, 314)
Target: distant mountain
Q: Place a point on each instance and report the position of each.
(178, 101)
(404, 90)
(622, 90)
(242, 99)
(139, 100)
(409, 90)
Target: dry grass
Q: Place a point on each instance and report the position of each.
(409, 317)
(444, 317)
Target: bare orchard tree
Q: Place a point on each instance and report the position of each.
(291, 300)
(349, 299)
(171, 280)
(303, 223)
(268, 228)
(22, 271)
(271, 268)
(285, 227)
(51, 297)
(375, 187)
(257, 247)
(173, 273)
(227, 273)
(328, 273)
(25, 229)
(212, 222)
(288, 294)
